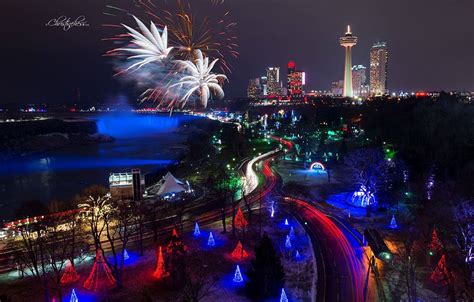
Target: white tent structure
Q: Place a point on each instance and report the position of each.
(169, 184)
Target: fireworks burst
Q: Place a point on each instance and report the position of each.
(150, 46)
(190, 31)
(200, 79)
(195, 38)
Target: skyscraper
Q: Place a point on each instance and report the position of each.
(273, 81)
(295, 79)
(254, 89)
(263, 83)
(378, 68)
(358, 79)
(348, 41)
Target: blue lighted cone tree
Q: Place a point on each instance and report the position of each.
(211, 241)
(393, 223)
(125, 255)
(266, 276)
(297, 255)
(288, 242)
(238, 275)
(283, 297)
(286, 221)
(292, 233)
(73, 296)
(197, 232)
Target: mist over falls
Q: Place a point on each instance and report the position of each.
(128, 125)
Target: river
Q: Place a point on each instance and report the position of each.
(148, 142)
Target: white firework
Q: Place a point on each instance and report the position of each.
(200, 79)
(150, 45)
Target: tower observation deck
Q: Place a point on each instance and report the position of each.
(348, 41)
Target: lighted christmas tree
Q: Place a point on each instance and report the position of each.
(297, 256)
(125, 255)
(160, 271)
(237, 275)
(288, 242)
(441, 273)
(100, 277)
(210, 240)
(73, 296)
(393, 223)
(283, 297)
(239, 252)
(197, 232)
(240, 221)
(286, 222)
(174, 233)
(435, 245)
(70, 274)
(292, 233)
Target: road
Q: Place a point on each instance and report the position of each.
(341, 263)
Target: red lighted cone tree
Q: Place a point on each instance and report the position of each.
(100, 277)
(441, 272)
(175, 233)
(240, 221)
(70, 274)
(435, 244)
(239, 252)
(160, 271)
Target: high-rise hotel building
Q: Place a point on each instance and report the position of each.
(358, 79)
(295, 81)
(273, 81)
(378, 68)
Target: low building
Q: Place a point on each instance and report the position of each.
(127, 185)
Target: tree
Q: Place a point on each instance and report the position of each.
(119, 226)
(43, 248)
(175, 258)
(266, 275)
(234, 187)
(95, 203)
(226, 184)
(371, 172)
(198, 279)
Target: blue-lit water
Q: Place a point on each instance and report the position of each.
(147, 142)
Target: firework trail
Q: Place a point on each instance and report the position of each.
(191, 29)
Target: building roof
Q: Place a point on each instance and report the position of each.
(169, 184)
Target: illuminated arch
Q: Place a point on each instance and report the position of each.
(317, 166)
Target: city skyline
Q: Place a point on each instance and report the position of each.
(217, 150)
(78, 51)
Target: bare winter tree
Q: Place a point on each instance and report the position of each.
(119, 224)
(371, 170)
(218, 183)
(199, 280)
(95, 203)
(43, 248)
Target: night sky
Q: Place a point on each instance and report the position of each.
(430, 44)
